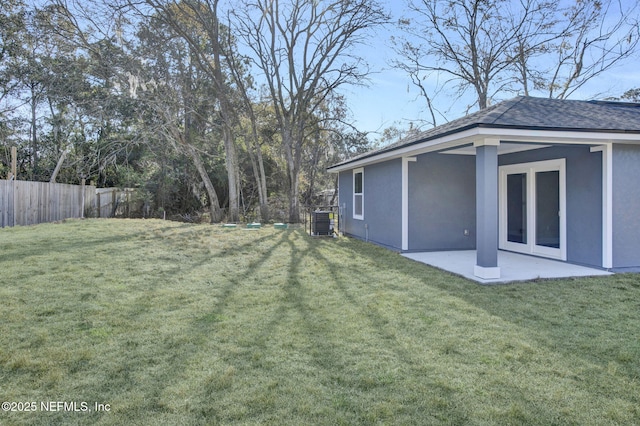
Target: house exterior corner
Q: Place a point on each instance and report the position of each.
(381, 204)
(568, 185)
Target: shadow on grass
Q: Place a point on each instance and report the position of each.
(348, 386)
(62, 243)
(593, 319)
(549, 315)
(444, 401)
(151, 375)
(443, 404)
(205, 354)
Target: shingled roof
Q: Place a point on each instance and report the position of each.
(529, 113)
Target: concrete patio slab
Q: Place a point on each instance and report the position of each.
(513, 266)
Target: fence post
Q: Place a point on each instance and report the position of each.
(13, 185)
(5, 202)
(82, 199)
(14, 163)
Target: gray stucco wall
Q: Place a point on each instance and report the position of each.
(382, 222)
(345, 200)
(626, 206)
(442, 202)
(584, 198)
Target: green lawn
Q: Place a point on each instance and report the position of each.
(182, 324)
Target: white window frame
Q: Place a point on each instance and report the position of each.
(359, 194)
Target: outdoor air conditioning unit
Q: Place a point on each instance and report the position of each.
(322, 223)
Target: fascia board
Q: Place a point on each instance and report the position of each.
(505, 134)
(558, 136)
(447, 141)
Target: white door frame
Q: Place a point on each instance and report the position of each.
(530, 169)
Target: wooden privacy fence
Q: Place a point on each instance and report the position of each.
(114, 202)
(30, 203)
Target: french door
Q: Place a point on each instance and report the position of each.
(533, 208)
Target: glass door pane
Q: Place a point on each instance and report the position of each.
(517, 208)
(548, 209)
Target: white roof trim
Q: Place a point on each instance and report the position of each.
(559, 136)
(503, 148)
(511, 135)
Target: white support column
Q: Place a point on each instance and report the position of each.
(487, 209)
(607, 203)
(405, 201)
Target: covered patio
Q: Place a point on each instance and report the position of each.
(544, 178)
(513, 266)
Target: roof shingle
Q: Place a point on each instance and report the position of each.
(525, 112)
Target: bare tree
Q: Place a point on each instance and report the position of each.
(305, 50)
(182, 17)
(499, 46)
(597, 36)
(468, 41)
(180, 106)
(198, 24)
(244, 83)
(412, 66)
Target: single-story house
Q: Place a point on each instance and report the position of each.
(544, 177)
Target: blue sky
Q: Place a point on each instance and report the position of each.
(391, 99)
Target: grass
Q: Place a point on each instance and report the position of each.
(170, 323)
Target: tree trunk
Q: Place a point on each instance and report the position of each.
(294, 204)
(258, 169)
(58, 166)
(214, 203)
(335, 190)
(34, 133)
(293, 168)
(232, 175)
(309, 196)
(264, 200)
(482, 96)
(227, 114)
(257, 166)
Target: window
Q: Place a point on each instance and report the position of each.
(358, 194)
